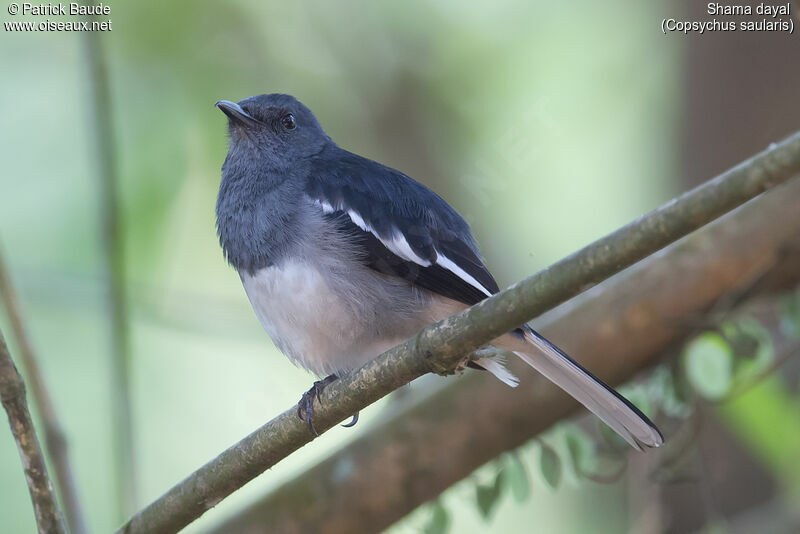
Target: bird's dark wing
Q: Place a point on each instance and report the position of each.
(404, 228)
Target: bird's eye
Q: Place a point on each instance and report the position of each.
(288, 121)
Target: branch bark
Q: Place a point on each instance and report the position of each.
(441, 347)
(54, 437)
(616, 329)
(12, 394)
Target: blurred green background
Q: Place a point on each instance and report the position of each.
(545, 124)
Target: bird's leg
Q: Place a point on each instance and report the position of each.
(305, 408)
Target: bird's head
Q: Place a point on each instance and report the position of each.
(275, 129)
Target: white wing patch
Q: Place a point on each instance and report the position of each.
(447, 263)
(326, 207)
(356, 218)
(399, 245)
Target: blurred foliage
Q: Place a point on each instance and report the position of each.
(767, 419)
(709, 365)
(487, 495)
(543, 123)
(723, 366)
(518, 477)
(790, 318)
(439, 521)
(549, 466)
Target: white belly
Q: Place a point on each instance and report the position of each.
(324, 329)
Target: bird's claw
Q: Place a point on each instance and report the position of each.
(352, 422)
(305, 408)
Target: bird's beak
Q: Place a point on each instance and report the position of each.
(235, 112)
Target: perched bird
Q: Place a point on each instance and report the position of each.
(342, 258)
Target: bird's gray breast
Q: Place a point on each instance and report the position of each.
(258, 221)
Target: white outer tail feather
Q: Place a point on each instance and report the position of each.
(497, 366)
(601, 400)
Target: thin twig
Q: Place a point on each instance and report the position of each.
(122, 419)
(12, 394)
(55, 440)
(440, 347)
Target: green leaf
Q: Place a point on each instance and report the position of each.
(487, 496)
(740, 338)
(580, 448)
(762, 351)
(708, 362)
(439, 522)
(518, 478)
(790, 314)
(575, 451)
(664, 388)
(550, 466)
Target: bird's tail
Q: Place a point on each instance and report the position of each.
(614, 409)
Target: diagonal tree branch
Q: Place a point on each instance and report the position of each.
(441, 347)
(12, 394)
(419, 449)
(54, 437)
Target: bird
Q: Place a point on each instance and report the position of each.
(343, 258)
